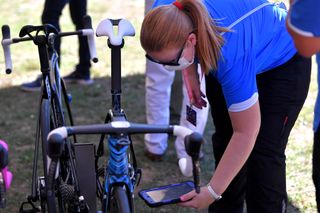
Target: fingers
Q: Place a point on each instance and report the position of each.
(188, 196)
(187, 199)
(197, 201)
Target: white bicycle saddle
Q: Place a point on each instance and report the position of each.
(106, 28)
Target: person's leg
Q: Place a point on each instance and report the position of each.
(78, 9)
(233, 197)
(316, 166)
(158, 87)
(50, 15)
(282, 92)
(202, 116)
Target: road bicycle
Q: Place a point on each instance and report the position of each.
(53, 105)
(5, 174)
(117, 180)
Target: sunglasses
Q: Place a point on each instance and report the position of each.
(174, 62)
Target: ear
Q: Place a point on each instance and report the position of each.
(193, 38)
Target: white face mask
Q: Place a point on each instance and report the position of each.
(183, 64)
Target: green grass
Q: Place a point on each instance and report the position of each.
(18, 109)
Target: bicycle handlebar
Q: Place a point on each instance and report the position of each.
(117, 127)
(88, 31)
(193, 140)
(7, 40)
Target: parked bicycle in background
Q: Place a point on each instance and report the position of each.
(53, 105)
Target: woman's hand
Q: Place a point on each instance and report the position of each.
(191, 80)
(195, 200)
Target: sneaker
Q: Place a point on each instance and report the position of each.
(153, 156)
(32, 86)
(76, 77)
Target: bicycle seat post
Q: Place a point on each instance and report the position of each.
(116, 77)
(41, 42)
(115, 42)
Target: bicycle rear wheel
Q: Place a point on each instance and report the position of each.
(47, 123)
(60, 197)
(119, 202)
(44, 131)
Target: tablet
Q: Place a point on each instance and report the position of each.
(164, 195)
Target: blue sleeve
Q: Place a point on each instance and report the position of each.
(162, 2)
(238, 83)
(304, 17)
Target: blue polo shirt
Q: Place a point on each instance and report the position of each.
(304, 17)
(258, 42)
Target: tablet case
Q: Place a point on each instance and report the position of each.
(164, 195)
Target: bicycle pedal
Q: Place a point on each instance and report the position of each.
(31, 208)
(29, 211)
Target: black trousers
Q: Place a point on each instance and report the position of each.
(316, 165)
(262, 180)
(78, 8)
(316, 150)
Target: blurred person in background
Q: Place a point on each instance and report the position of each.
(51, 15)
(303, 23)
(161, 86)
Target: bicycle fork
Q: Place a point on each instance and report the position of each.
(119, 171)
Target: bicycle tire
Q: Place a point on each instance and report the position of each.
(53, 201)
(44, 131)
(119, 202)
(46, 125)
(51, 187)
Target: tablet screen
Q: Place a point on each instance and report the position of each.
(170, 193)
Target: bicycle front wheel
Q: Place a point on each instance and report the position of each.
(119, 202)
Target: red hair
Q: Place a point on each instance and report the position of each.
(168, 26)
